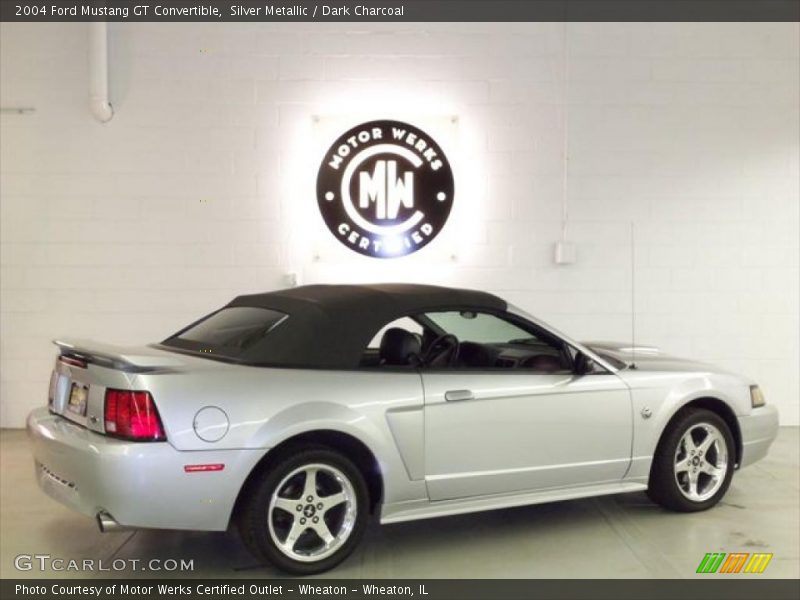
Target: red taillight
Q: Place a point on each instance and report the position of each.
(132, 415)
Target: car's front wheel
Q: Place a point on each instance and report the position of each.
(307, 513)
(694, 462)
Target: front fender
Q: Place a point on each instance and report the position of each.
(662, 395)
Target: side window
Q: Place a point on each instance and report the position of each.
(403, 323)
(401, 348)
(477, 340)
(482, 328)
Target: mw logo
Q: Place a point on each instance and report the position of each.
(734, 562)
(385, 189)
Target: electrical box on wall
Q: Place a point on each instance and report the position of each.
(564, 253)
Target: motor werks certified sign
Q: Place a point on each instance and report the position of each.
(385, 189)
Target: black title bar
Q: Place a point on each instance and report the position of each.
(400, 10)
(727, 587)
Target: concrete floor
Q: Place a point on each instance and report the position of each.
(612, 537)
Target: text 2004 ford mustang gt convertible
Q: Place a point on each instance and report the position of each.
(298, 413)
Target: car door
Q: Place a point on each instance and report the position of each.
(506, 430)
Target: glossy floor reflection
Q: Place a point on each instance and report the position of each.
(617, 537)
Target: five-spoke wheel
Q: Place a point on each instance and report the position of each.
(694, 462)
(701, 462)
(307, 512)
(312, 512)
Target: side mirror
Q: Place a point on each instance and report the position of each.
(583, 364)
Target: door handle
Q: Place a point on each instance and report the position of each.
(459, 395)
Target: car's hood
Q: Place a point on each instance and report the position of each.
(647, 358)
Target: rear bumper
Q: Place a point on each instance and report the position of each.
(140, 484)
(759, 429)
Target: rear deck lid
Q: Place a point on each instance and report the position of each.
(85, 369)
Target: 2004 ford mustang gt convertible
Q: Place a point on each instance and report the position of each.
(296, 414)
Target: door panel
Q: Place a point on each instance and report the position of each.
(511, 432)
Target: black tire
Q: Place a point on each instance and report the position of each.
(664, 487)
(254, 517)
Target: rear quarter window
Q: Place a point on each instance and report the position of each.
(229, 332)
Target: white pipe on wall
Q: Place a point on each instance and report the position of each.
(98, 72)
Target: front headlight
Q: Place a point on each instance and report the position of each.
(757, 396)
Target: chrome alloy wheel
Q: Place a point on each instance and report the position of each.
(312, 512)
(701, 462)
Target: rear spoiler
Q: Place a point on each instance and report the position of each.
(131, 360)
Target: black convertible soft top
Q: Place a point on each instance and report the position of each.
(329, 326)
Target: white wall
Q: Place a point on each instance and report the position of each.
(199, 188)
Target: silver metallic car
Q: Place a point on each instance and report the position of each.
(296, 414)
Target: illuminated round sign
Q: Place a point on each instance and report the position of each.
(385, 189)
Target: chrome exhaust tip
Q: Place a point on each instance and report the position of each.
(107, 523)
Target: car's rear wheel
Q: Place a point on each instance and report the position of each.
(307, 513)
(694, 462)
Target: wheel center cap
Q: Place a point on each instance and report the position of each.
(696, 460)
(309, 510)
